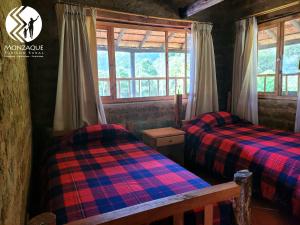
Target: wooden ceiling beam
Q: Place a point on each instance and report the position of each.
(120, 36)
(296, 24)
(271, 34)
(196, 7)
(147, 35)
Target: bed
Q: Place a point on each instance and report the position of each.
(223, 143)
(102, 174)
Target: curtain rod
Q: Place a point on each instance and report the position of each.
(262, 13)
(126, 13)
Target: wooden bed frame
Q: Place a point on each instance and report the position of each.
(175, 206)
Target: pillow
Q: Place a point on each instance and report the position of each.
(102, 132)
(207, 121)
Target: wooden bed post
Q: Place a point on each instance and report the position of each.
(242, 205)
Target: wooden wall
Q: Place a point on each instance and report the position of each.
(15, 132)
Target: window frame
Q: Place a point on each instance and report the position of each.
(109, 26)
(279, 23)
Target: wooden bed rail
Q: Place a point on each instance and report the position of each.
(162, 208)
(177, 205)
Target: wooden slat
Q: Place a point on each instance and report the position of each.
(167, 62)
(147, 35)
(121, 34)
(178, 219)
(151, 27)
(197, 6)
(112, 16)
(112, 62)
(208, 214)
(296, 24)
(164, 207)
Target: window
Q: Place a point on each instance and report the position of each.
(279, 57)
(103, 63)
(142, 63)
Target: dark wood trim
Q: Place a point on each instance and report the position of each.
(101, 23)
(167, 62)
(112, 62)
(129, 18)
(279, 57)
(196, 7)
(185, 64)
(291, 98)
(278, 20)
(139, 99)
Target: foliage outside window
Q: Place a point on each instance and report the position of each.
(142, 63)
(278, 58)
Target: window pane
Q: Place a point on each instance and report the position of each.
(177, 50)
(103, 63)
(178, 58)
(172, 85)
(270, 84)
(124, 89)
(291, 55)
(179, 86)
(140, 54)
(283, 85)
(137, 88)
(150, 64)
(162, 87)
(176, 64)
(104, 88)
(267, 48)
(123, 68)
(260, 84)
(145, 88)
(292, 85)
(154, 87)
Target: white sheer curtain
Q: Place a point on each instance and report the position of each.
(76, 100)
(244, 92)
(91, 30)
(237, 77)
(203, 89)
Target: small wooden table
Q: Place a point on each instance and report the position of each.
(168, 141)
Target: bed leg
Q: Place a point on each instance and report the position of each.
(242, 205)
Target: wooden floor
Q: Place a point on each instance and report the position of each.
(263, 212)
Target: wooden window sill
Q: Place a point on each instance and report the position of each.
(108, 100)
(291, 98)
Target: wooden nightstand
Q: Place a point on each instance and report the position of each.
(168, 141)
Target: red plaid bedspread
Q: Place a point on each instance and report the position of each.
(224, 144)
(103, 168)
